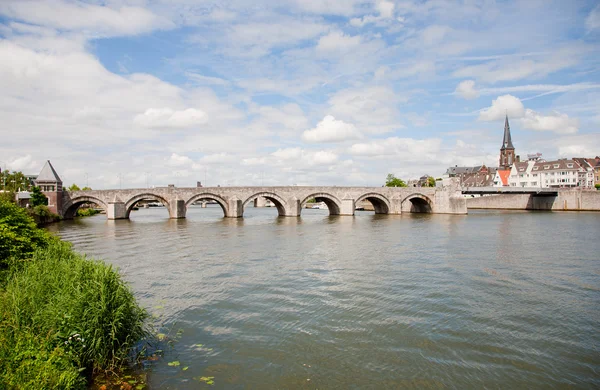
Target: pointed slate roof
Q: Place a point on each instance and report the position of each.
(48, 174)
(507, 141)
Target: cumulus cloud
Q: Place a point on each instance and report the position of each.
(337, 41)
(503, 105)
(331, 130)
(466, 89)
(528, 119)
(167, 117)
(555, 122)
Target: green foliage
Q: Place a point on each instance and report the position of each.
(74, 187)
(19, 235)
(38, 198)
(87, 212)
(61, 315)
(393, 181)
(14, 181)
(84, 305)
(430, 182)
(86, 188)
(28, 361)
(597, 186)
(42, 215)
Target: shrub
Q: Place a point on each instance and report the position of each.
(42, 215)
(85, 305)
(19, 235)
(88, 212)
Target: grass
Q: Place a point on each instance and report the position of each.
(63, 317)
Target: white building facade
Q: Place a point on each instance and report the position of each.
(551, 174)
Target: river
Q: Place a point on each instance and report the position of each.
(489, 299)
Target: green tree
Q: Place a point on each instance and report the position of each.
(430, 182)
(14, 181)
(86, 188)
(393, 181)
(38, 198)
(74, 187)
(597, 186)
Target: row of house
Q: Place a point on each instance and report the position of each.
(534, 173)
(562, 173)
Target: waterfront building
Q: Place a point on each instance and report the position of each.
(562, 173)
(52, 186)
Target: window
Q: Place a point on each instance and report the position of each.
(546, 166)
(556, 165)
(535, 175)
(534, 183)
(535, 168)
(569, 165)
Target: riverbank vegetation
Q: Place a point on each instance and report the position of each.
(63, 317)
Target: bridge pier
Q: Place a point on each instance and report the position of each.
(294, 209)
(177, 209)
(395, 206)
(116, 210)
(348, 207)
(260, 201)
(236, 208)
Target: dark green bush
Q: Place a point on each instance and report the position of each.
(19, 235)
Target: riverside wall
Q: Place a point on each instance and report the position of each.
(566, 200)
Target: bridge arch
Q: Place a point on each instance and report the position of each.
(277, 200)
(70, 209)
(145, 196)
(380, 203)
(207, 195)
(333, 203)
(417, 203)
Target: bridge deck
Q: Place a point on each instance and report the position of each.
(510, 190)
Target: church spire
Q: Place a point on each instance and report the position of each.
(507, 141)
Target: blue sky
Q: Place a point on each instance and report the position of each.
(330, 92)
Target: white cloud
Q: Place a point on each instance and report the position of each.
(201, 79)
(218, 158)
(337, 41)
(507, 69)
(466, 89)
(177, 160)
(23, 163)
(555, 122)
(331, 130)
(405, 149)
(288, 153)
(386, 9)
(503, 105)
(371, 109)
(528, 119)
(88, 18)
(592, 22)
(169, 118)
(323, 157)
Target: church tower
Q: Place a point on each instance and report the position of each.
(507, 151)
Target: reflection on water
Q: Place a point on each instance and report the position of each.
(495, 299)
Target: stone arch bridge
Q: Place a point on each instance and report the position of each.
(289, 200)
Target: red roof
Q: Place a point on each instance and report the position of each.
(504, 174)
